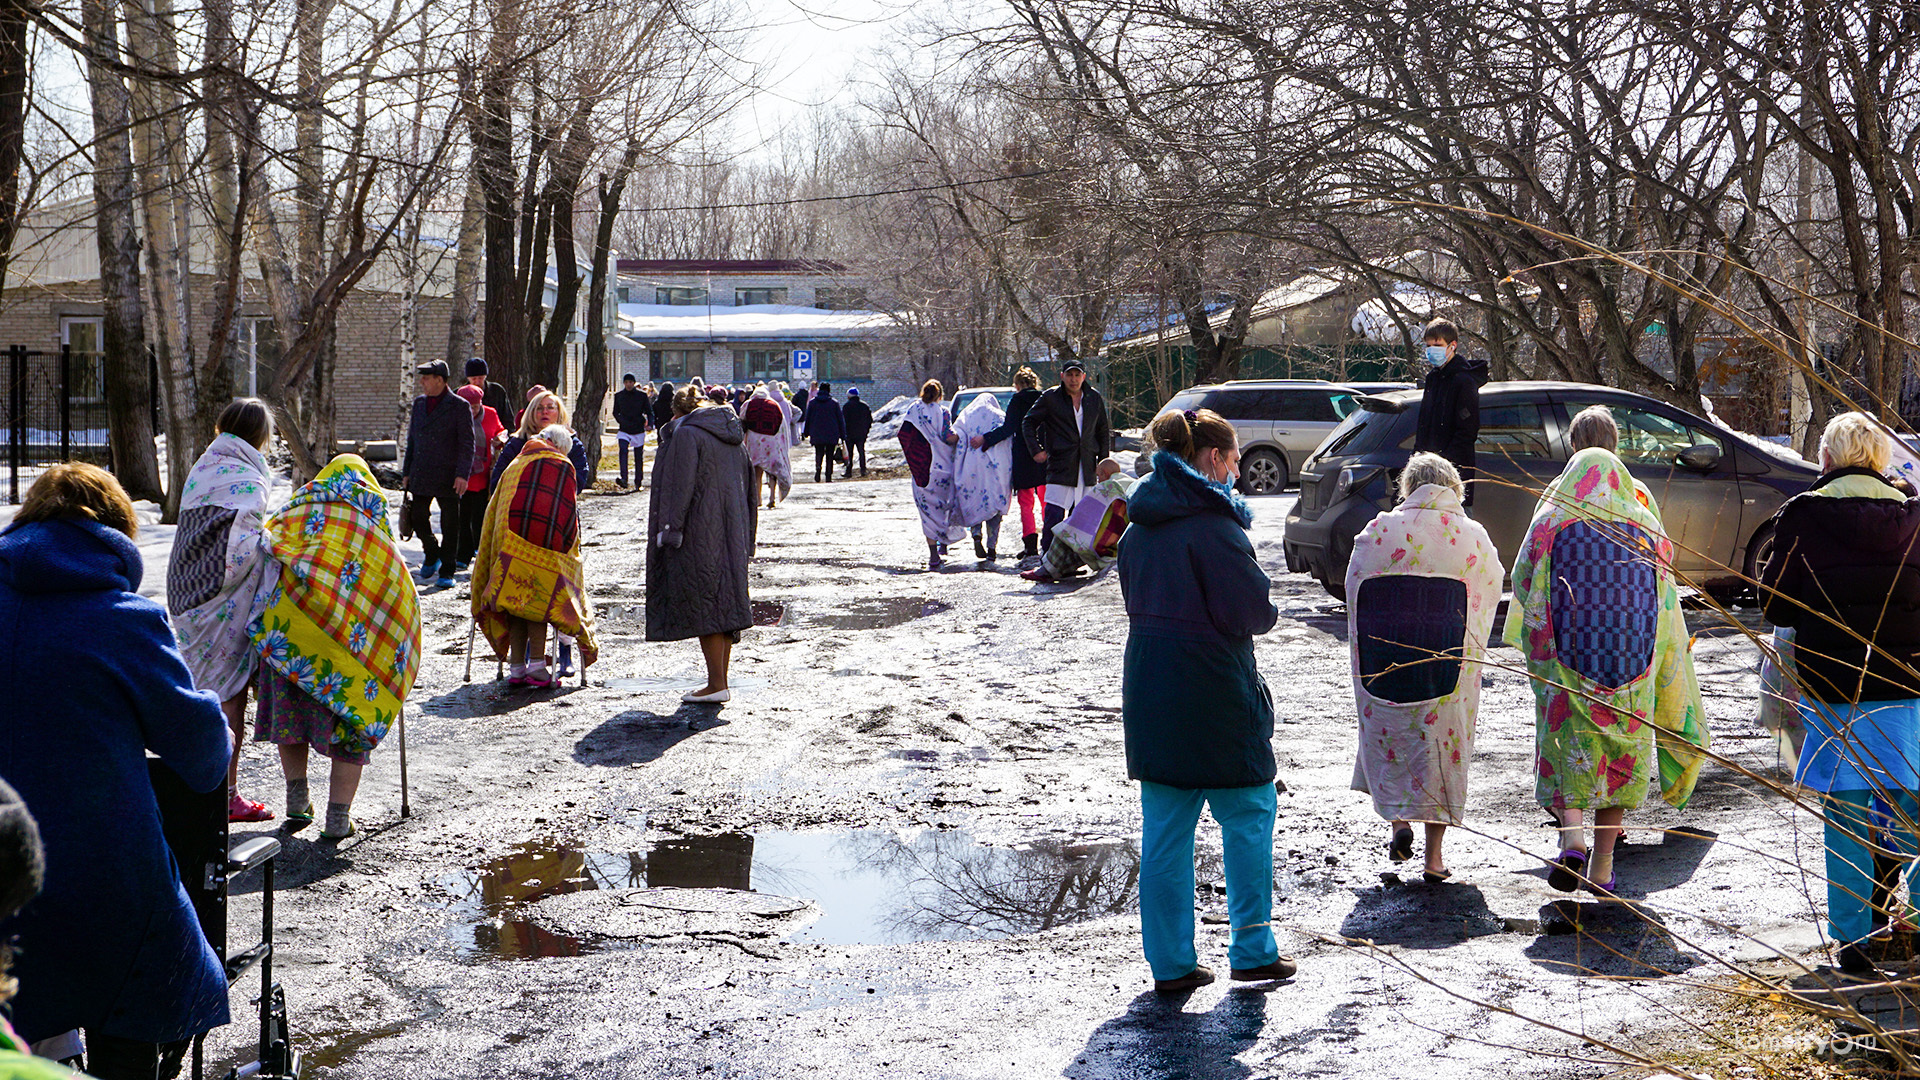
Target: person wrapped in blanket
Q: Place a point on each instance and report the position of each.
(1090, 536)
(528, 573)
(1596, 613)
(339, 638)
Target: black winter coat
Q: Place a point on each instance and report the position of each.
(1027, 473)
(494, 396)
(1450, 413)
(663, 407)
(439, 444)
(824, 427)
(632, 410)
(1073, 457)
(858, 419)
(1856, 560)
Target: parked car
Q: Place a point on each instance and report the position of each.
(1717, 489)
(964, 398)
(1280, 422)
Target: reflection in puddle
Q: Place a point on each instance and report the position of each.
(873, 887)
(876, 613)
(930, 759)
(768, 613)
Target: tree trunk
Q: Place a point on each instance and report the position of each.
(593, 379)
(504, 328)
(122, 329)
(13, 121)
(466, 270)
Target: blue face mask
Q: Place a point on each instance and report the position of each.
(1436, 355)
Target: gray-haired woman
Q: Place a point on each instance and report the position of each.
(1422, 588)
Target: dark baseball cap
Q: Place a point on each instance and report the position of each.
(1074, 365)
(434, 367)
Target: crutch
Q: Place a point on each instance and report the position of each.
(406, 809)
(473, 624)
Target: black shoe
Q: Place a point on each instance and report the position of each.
(979, 549)
(1855, 961)
(1401, 848)
(1567, 870)
(1282, 968)
(1192, 980)
(1030, 546)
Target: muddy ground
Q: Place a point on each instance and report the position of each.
(921, 778)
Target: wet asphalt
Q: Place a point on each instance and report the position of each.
(921, 779)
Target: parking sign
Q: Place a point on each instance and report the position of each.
(803, 364)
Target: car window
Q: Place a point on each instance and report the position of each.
(1305, 406)
(1345, 405)
(1512, 431)
(1366, 432)
(1235, 404)
(1187, 399)
(1647, 437)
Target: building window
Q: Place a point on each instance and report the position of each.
(678, 297)
(759, 365)
(746, 297)
(677, 364)
(622, 293)
(257, 359)
(843, 365)
(840, 298)
(86, 343)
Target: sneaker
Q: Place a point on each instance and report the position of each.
(239, 809)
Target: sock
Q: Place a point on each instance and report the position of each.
(516, 670)
(297, 797)
(1600, 869)
(1573, 837)
(338, 823)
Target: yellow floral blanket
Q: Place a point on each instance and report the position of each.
(513, 576)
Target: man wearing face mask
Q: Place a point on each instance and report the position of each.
(1450, 401)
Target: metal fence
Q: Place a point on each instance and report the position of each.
(55, 410)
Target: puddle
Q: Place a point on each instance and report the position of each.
(876, 613)
(768, 613)
(931, 759)
(873, 887)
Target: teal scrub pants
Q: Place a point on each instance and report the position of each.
(1169, 816)
(1850, 824)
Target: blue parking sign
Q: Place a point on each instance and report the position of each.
(802, 360)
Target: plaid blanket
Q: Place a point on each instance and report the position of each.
(519, 575)
(544, 507)
(343, 624)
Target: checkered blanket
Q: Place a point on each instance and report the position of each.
(343, 624)
(529, 565)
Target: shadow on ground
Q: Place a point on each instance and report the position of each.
(1420, 916)
(636, 736)
(304, 859)
(1607, 940)
(1157, 1038)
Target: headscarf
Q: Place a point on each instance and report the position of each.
(343, 624)
(220, 571)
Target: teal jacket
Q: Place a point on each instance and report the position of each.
(1197, 713)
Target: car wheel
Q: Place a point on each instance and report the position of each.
(1262, 472)
(1759, 550)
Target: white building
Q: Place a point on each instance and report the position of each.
(745, 321)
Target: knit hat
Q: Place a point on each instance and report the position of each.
(22, 862)
(535, 391)
(476, 366)
(853, 393)
(471, 393)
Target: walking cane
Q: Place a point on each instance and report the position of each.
(405, 809)
(472, 625)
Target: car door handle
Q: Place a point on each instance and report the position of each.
(1278, 432)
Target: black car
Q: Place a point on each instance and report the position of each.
(1717, 490)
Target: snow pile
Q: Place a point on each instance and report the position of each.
(1373, 320)
(1775, 446)
(887, 418)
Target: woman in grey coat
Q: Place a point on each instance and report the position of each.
(700, 535)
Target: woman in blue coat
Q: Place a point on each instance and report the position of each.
(112, 945)
(1197, 714)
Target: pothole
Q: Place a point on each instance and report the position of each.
(874, 613)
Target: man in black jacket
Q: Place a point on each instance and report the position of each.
(824, 429)
(632, 412)
(859, 421)
(1069, 433)
(1450, 401)
(439, 453)
(492, 394)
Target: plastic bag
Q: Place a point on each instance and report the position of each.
(1780, 684)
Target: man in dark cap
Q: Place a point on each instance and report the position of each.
(858, 420)
(1068, 432)
(439, 454)
(492, 394)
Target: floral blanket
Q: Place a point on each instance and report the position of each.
(220, 572)
(934, 498)
(516, 573)
(982, 479)
(1617, 700)
(343, 624)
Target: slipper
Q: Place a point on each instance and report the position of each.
(1401, 848)
(545, 681)
(1435, 879)
(1606, 890)
(1567, 870)
(517, 681)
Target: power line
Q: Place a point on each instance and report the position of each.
(842, 198)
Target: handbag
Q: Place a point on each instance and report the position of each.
(406, 515)
(839, 454)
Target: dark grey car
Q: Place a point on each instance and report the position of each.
(1280, 422)
(1717, 490)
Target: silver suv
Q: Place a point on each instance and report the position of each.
(1280, 421)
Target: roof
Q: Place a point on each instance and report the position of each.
(754, 322)
(727, 266)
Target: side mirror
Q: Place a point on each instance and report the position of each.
(1700, 457)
